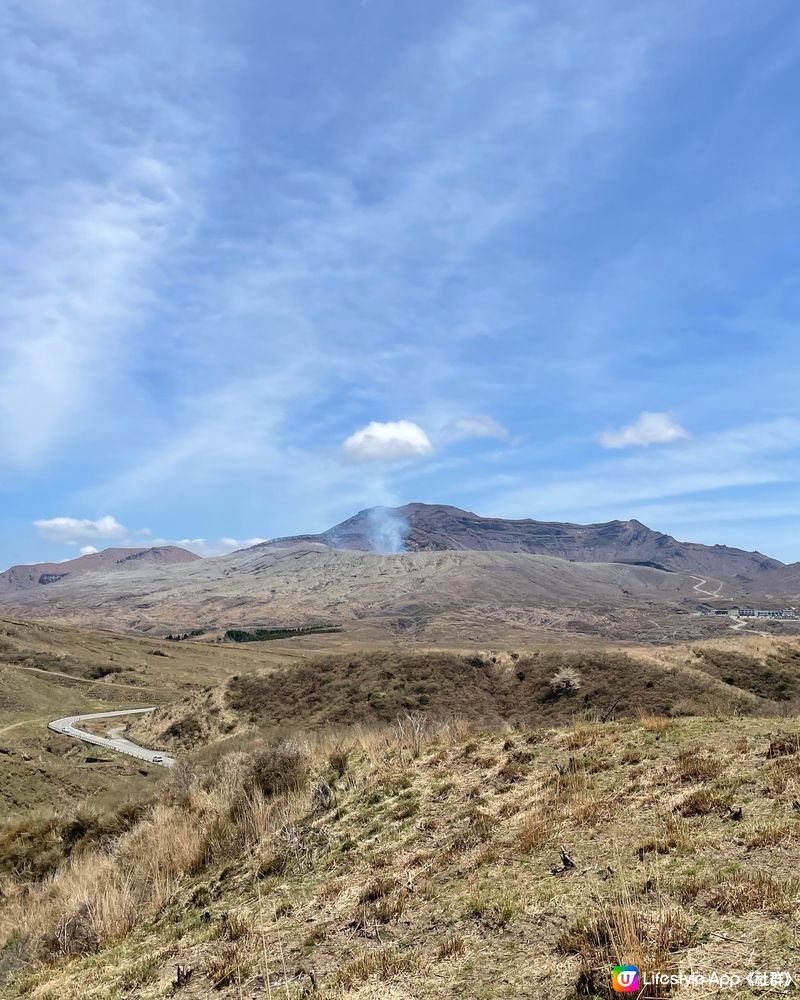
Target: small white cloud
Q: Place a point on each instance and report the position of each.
(479, 426)
(88, 550)
(73, 530)
(649, 428)
(387, 442)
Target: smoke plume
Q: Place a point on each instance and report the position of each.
(387, 530)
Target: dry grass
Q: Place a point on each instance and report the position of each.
(452, 945)
(772, 832)
(538, 830)
(747, 891)
(699, 764)
(705, 800)
(621, 931)
(672, 834)
(383, 964)
(493, 909)
(98, 897)
(429, 874)
(659, 725)
(377, 889)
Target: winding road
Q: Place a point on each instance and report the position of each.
(68, 726)
(701, 582)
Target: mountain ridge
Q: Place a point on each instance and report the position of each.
(419, 527)
(30, 576)
(433, 572)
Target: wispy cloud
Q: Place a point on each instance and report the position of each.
(99, 186)
(648, 428)
(362, 275)
(77, 293)
(752, 455)
(217, 266)
(479, 426)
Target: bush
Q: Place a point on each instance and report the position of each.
(566, 681)
(101, 670)
(278, 769)
(784, 745)
(338, 760)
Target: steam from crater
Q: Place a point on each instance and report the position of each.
(387, 530)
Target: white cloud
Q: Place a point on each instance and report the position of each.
(479, 426)
(72, 530)
(107, 530)
(210, 547)
(748, 456)
(387, 442)
(648, 428)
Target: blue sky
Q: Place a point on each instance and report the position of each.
(265, 264)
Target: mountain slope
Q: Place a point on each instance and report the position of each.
(426, 594)
(451, 576)
(37, 575)
(433, 527)
(402, 864)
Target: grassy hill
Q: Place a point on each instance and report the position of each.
(48, 670)
(550, 686)
(427, 861)
(397, 823)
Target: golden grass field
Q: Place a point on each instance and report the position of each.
(427, 862)
(360, 822)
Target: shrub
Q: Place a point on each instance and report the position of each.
(101, 670)
(784, 745)
(566, 681)
(188, 730)
(338, 760)
(274, 770)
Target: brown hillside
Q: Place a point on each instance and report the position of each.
(378, 687)
(38, 575)
(423, 865)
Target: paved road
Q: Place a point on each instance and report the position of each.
(69, 727)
